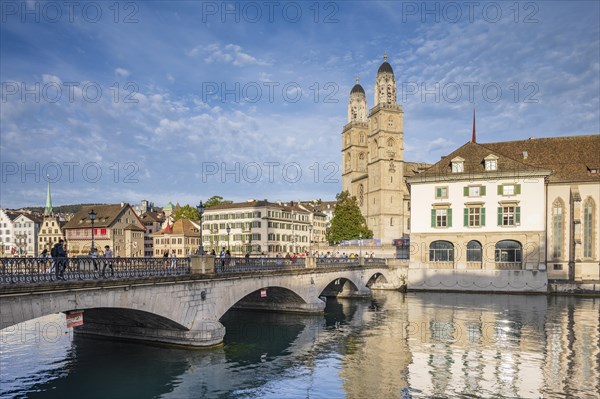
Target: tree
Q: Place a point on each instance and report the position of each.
(347, 222)
(187, 212)
(216, 200)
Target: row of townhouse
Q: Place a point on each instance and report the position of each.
(19, 233)
(262, 227)
(528, 204)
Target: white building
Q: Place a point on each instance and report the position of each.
(26, 228)
(257, 227)
(7, 239)
(512, 205)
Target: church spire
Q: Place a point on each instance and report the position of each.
(48, 209)
(474, 136)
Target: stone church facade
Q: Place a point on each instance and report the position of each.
(373, 166)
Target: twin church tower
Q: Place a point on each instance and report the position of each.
(373, 167)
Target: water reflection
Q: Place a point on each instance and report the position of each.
(405, 346)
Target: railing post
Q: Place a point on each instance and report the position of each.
(361, 260)
(310, 262)
(204, 264)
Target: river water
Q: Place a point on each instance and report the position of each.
(396, 345)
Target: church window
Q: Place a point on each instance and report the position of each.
(390, 122)
(588, 228)
(557, 229)
(362, 138)
(390, 144)
(361, 194)
(362, 165)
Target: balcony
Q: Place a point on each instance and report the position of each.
(508, 265)
(441, 265)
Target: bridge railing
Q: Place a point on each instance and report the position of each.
(241, 265)
(331, 262)
(375, 261)
(33, 270)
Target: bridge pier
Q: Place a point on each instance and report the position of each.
(349, 292)
(205, 333)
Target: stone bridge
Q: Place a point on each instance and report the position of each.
(185, 310)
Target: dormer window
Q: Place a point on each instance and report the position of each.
(458, 165)
(491, 163)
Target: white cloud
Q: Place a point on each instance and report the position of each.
(122, 72)
(229, 54)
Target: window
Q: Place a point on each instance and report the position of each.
(509, 215)
(474, 216)
(362, 138)
(473, 251)
(361, 195)
(474, 191)
(441, 217)
(490, 164)
(557, 266)
(457, 167)
(441, 192)
(508, 251)
(441, 251)
(588, 220)
(509, 189)
(557, 229)
(362, 165)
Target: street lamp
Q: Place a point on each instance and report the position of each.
(228, 230)
(360, 245)
(200, 208)
(310, 227)
(92, 216)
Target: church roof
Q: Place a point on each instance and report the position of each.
(385, 67)
(357, 89)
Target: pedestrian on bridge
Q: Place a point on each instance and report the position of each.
(108, 254)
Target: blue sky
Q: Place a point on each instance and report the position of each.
(181, 100)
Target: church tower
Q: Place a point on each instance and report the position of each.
(387, 213)
(354, 147)
(48, 208)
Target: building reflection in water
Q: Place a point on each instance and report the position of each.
(483, 345)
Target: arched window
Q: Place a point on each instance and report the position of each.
(362, 165)
(362, 138)
(361, 194)
(390, 144)
(588, 228)
(473, 251)
(374, 149)
(441, 251)
(390, 122)
(508, 251)
(557, 228)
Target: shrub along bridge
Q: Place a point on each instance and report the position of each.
(179, 300)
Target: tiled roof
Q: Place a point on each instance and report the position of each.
(258, 204)
(134, 227)
(414, 168)
(105, 216)
(473, 155)
(152, 217)
(181, 226)
(570, 158)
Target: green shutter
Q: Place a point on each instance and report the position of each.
(483, 216)
(499, 215)
(466, 191)
(517, 189)
(466, 217)
(433, 218)
(482, 190)
(518, 215)
(438, 192)
(500, 189)
(449, 217)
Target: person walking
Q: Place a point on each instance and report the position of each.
(108, 254)
(173, 259)
(60, 261)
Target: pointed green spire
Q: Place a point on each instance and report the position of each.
(48, 210)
